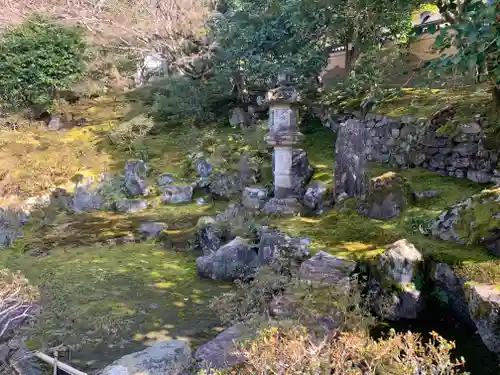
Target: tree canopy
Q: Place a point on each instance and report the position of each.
(475, 33)
(260, 37)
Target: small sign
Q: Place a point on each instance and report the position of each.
(281, 119)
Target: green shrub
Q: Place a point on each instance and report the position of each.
(127, 133)
(181, 99)
(325, 329)
(37, 58)
(421, 223)
(290, 348)
(113, 189)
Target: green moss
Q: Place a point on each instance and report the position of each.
(482, 309)
(423, 103)
(481, 217)
(491, 141)
(101, 295)
(104, 296)
(388, 183)
(447, 130)
(346, 233)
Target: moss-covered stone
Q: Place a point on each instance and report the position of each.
(491, 140)
(484, 308)
(473, 221)
(386, 197)
(449, 130)
(396, 281)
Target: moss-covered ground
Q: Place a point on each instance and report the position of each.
(106, 301)
(345, 233)
(114, 299)
(423, 103)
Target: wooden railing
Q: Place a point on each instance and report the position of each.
(56, 364)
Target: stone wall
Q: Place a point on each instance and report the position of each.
(457, 150)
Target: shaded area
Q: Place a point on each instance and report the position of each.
(101, 228)
(436, 317)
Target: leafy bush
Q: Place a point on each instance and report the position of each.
(364, 87)
(292, 349)
(473, 31)
(326, 331)
(127, 133)
(421, 223)
(250, 301)
(181, 99)
(113, 189)
(37, 58)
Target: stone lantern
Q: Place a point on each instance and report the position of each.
(283, 133)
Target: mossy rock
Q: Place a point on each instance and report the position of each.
(483, 301)
(481, 217)
(399, 268)
(386, 197)
(474, 221)
(491, 140)
(450, 130)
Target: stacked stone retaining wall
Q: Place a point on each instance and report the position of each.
(463, 150)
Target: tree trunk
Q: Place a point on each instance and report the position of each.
(495, 90)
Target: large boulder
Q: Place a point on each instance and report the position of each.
(285, 206)
(321, 269)
(255, 197)
(484, 309)
(350, 159)
(7, 237)
(225, 185)
(233, 211)
(448, 282)
(135, 184)
(274, 245)
(301, 171)
(87, 197)
(203, 167)
(210, 235)
(154, 229)
(165, 179)
(396, 281)
(170, 357)
(475, 220)
(386, 197)
(326, 268)
(221, 352)
(11, 222)
(235, 260)
(177, 194)
(131, 206)
(315, 196)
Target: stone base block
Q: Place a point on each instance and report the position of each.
(285, 206)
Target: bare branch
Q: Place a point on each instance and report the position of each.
(18, 304)
(145, 23)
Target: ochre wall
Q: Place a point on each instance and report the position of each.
(420, 50)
